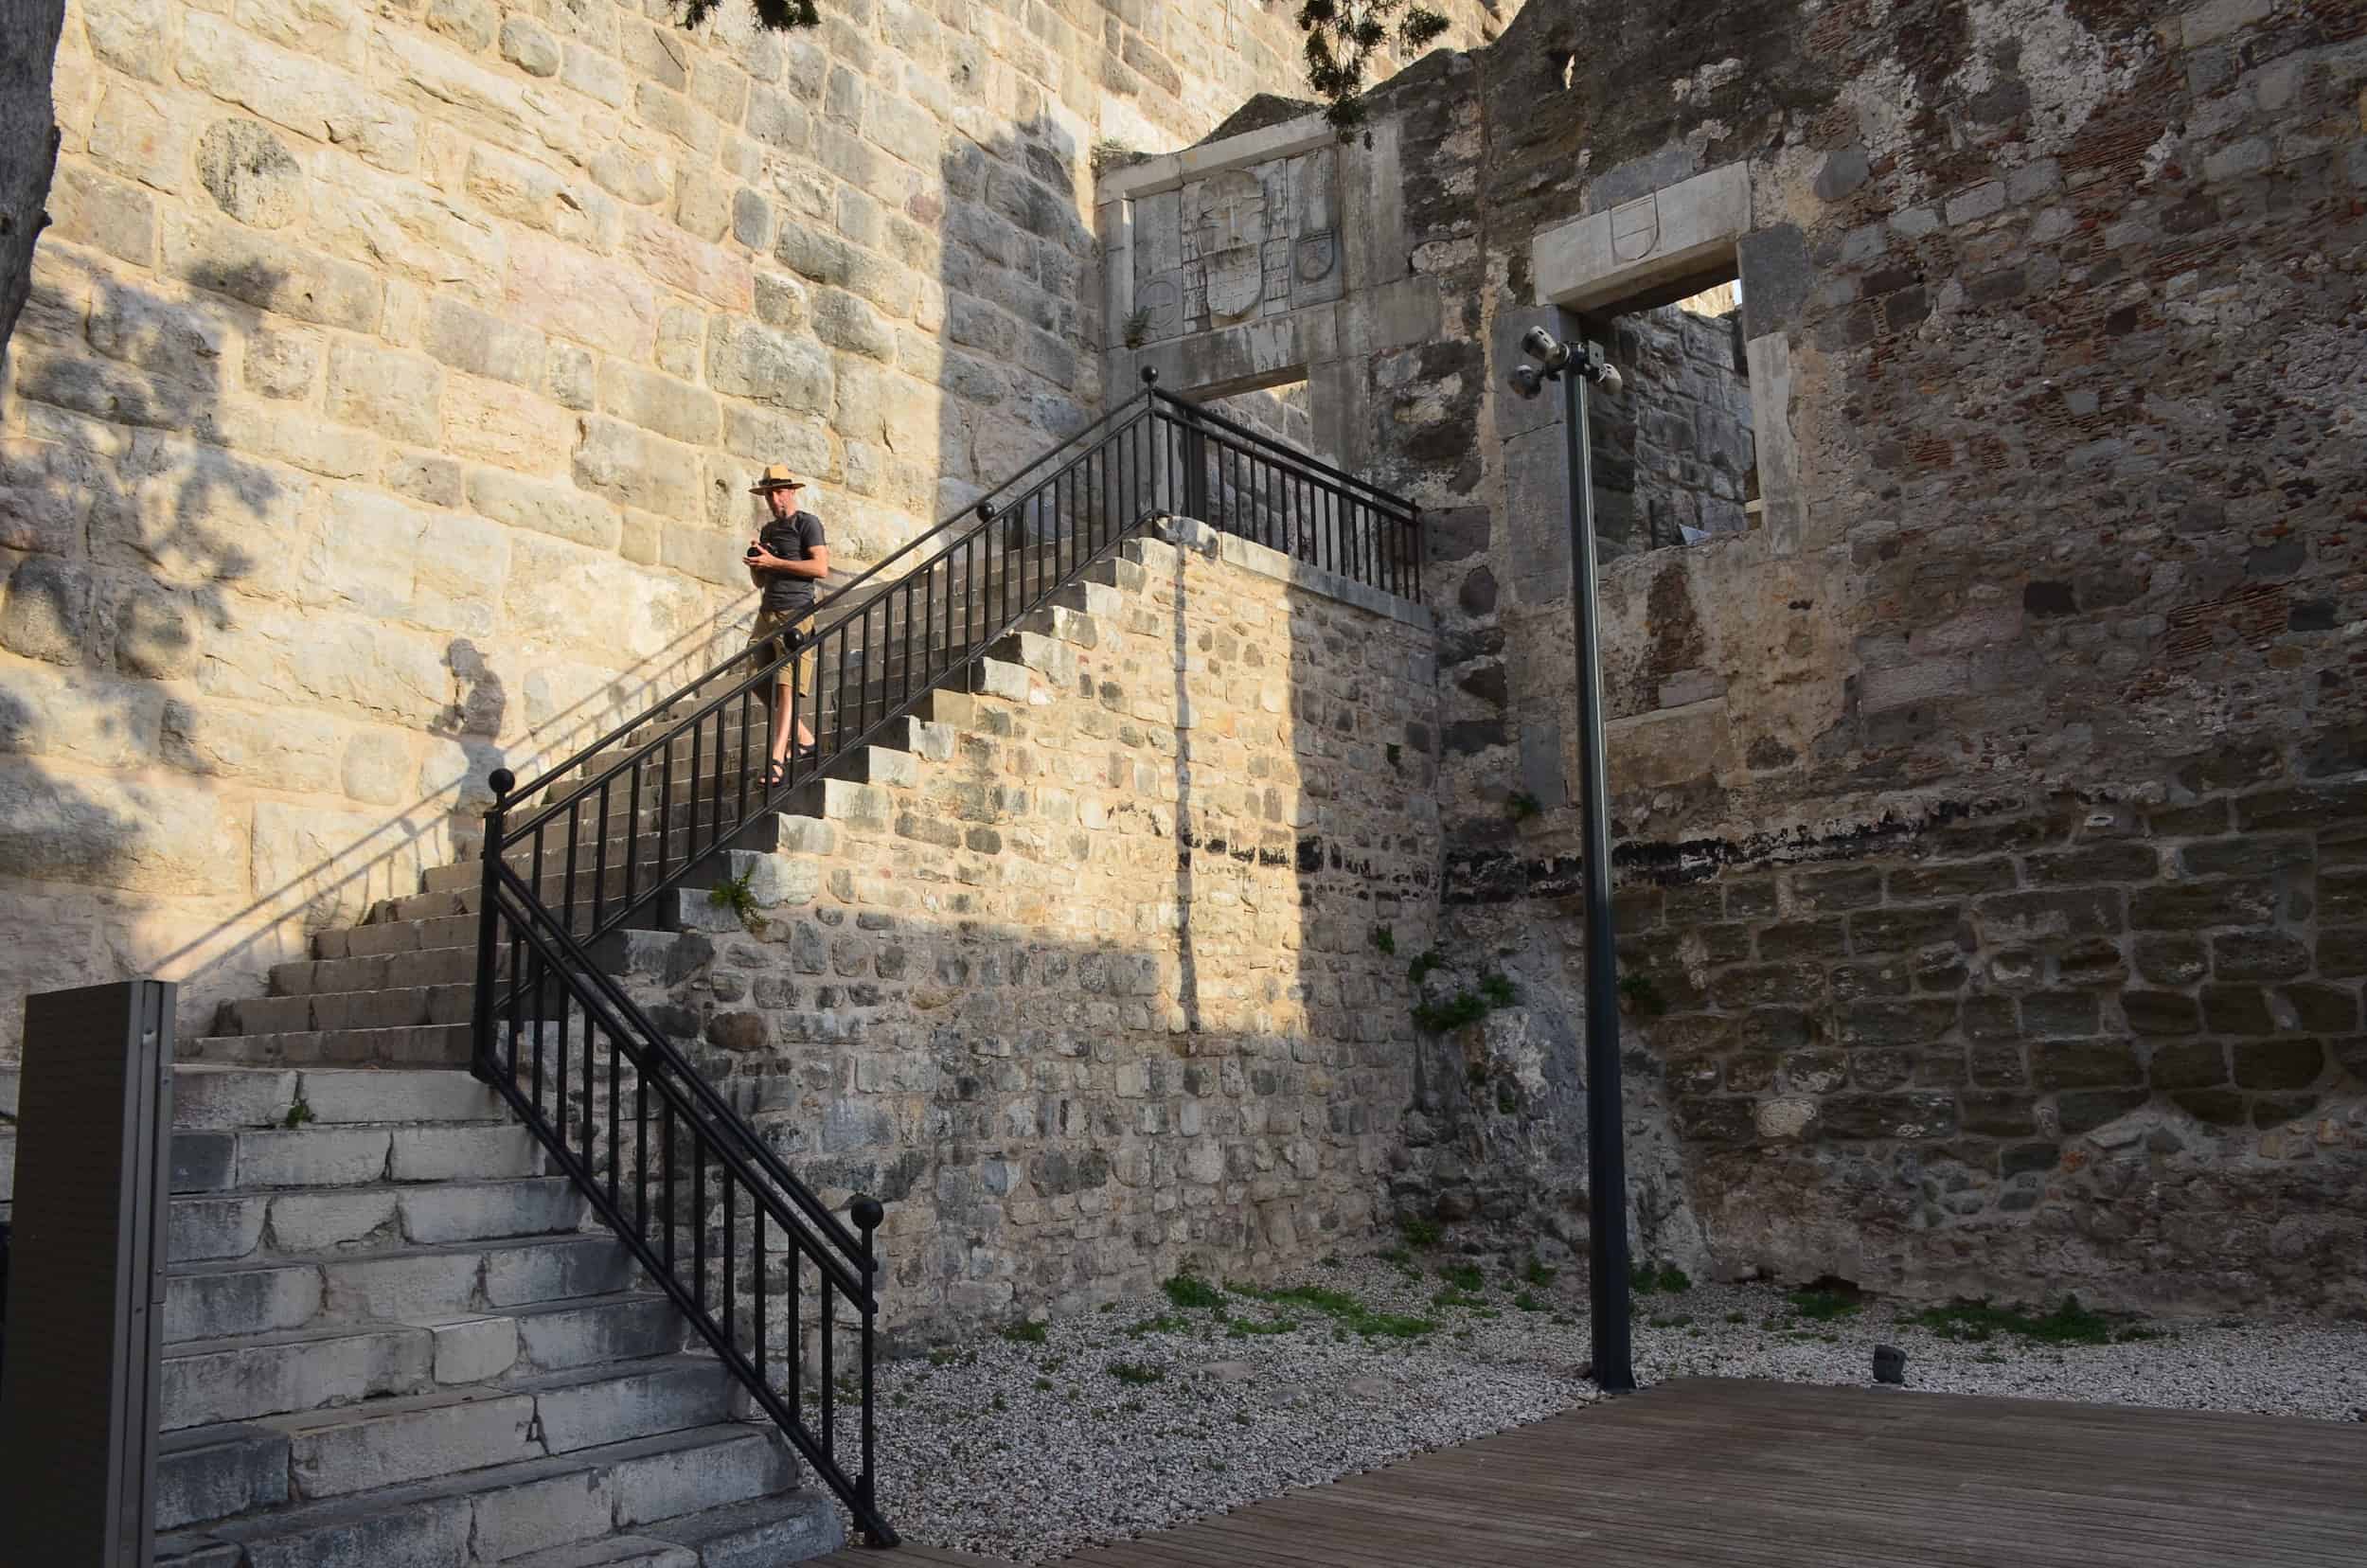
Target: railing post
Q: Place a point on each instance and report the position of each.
(867, 1212)
(481, 1062)
(1415, 545)
(1195, 468)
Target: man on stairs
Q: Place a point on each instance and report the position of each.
(786, 559)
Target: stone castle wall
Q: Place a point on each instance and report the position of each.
(2046, 317)
(1088, 986)
(394, 374)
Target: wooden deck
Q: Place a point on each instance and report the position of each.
(1702, 1472)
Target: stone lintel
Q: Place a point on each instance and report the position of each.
(1171, 169)
(1664, 237)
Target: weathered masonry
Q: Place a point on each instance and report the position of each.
(1983, 632)
(1992, 814)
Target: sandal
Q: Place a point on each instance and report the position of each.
(775, 774)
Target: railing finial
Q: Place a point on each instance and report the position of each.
(1150, 375)
(867, 1212)
(502, 781)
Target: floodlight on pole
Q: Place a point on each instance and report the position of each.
(1576, 366)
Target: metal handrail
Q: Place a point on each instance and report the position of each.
(834, 595)
(961, 590)
(1199, 413)
(725, 1135)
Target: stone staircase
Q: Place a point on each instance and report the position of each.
(392, 1341)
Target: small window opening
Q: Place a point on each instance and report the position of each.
(1569, 70)
(1676, 459)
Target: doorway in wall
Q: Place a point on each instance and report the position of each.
(1676, 461)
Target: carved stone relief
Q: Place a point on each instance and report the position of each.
(1239, 245)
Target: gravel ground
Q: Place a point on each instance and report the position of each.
(1156, 1411)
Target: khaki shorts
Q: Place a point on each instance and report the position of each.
(773, 626)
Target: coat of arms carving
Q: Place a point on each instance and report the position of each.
(1232, 222)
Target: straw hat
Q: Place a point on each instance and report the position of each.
(775, 478)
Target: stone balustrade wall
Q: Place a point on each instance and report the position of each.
(1110, 973)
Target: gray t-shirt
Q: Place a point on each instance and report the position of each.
(795, 540)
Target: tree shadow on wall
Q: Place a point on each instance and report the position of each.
(124, 520)
(157, 586)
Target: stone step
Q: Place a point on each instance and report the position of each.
(405, 1283)
(392, 1007)
(247, 1377)
(395, 936)
(251, 1160)
(424, 1045)
(764, 833)
(789, 1527)
(320, 1219)
(214, 1098)
(530, 1513)
(419, 966)
(209, 1383)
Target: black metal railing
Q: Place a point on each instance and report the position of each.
(1240, 482)
(657, 800)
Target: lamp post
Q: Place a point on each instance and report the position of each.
(1575, 364)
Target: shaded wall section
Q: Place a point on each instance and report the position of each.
(2031, 563)
(1111, 977)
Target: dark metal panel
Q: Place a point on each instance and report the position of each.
(81, 1403)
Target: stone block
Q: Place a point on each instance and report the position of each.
(323, 1221)
(529, 47)
(482, 345)
(2085, 1110)
(630, 1403)
(2237, 1009)
(1854, 887)
(463, 1153)
(46, 612)
(669, 407)
(2085, 1063)
(1909, 1023)
(270, 273)
(1887, 1116)
(1657, 236)
(444, 1214)
(566, 292)
(105, 214)
(224, 1472)
(561, 512)
(396, 394)
(339, 1452)
(290, 89)
(559, 1336)
(219, 1304)
(2120, 861)
(2288, 1062)
(203, 1229)
(236, 1383)
(703, 271)
(2187, 1065)
(514, 1519)
(472, 1349)
(635, 469)
(749, 361)
(2012, 917)
(489, 422)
